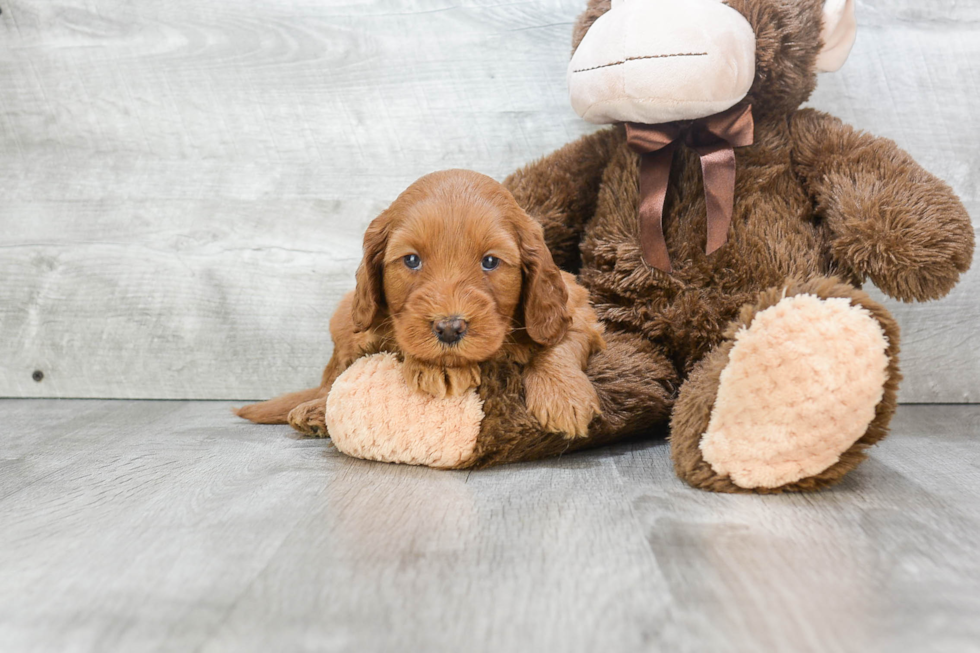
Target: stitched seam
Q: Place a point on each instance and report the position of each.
(651, 56)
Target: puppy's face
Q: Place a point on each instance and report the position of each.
(460, 267)
(452, 279)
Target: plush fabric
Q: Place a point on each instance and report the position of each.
(819, 209)
(800, 387)
(695, 403)
(408, 427)
(649, 62)
(373, 414)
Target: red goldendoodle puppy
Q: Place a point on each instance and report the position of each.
(456, 273)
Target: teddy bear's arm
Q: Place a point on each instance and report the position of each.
(889, 219)
(560, 191)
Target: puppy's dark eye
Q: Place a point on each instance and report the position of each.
(489, 263)
(412, 261)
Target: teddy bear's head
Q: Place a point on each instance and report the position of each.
(656, 61)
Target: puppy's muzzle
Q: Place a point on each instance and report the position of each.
(449, 330)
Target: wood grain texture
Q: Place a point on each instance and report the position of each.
(186, 183)
(172, 526)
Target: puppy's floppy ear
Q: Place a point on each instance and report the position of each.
(369, 298)
(545, 297)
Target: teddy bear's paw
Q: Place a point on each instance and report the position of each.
(561, 405)
(309, 418)
(372, 413)
(800, 387)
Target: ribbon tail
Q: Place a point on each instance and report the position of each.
(654, 177)
(718, 168)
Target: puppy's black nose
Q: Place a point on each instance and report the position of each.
(449, 329)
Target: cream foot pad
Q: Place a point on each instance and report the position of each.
(800, 387)
(373, 414)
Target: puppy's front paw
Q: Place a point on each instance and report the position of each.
(561, 405)
(440, 381)
(425, 378)
(462, 379)
(309, 418)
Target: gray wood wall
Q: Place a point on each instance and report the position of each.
(185, 183)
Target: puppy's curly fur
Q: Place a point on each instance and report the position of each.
(456, 249)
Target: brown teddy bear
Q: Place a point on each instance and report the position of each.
(723, 234)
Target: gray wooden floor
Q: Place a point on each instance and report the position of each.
(129, 526)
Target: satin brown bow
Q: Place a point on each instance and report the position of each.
(714, 139)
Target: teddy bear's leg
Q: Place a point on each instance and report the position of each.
(372, 413)
(635, 382)
(804, 382)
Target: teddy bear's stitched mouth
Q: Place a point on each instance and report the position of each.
(649, 56)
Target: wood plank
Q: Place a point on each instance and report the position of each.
(530, 557)
(172, 526)
(147, 532)
(30, 435)
(186, 183)
(845, 570)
